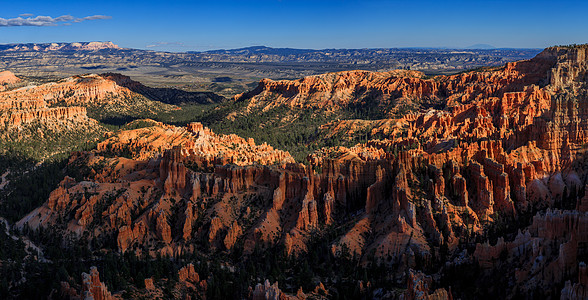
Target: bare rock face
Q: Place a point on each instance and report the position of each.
(28, 112)
(162, 228)
(7, 78)
(187, 274)
(419, 288)
(267, 292)
(188, 223)
(194, 143)
(61, 105)
(68, 292)
(582, 204)
(395, 88)
(533, 249)
(92, 288)
(577, 290)
(234, 232)
(329, 208)
(78, 90)
(307, 216)
(149, 284)
(46, 115)
(17, 114)
(172, 171)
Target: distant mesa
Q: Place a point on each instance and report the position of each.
(83, 46)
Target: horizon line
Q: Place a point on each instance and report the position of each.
(489, 48)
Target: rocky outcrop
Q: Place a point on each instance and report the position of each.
(76, 90)
(199, 145)
(172, 171)
(545, 253)
(7, 79)
(187, 274)
(46, 115)
(391, 90)
(232, 235)
(26, 117)
(267, 292)
(176, 194)
(105, 95)
(577, 290)
(162, 228)
(149, 284)
(92, 288)
(419, 286)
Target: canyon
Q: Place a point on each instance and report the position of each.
(475, 185)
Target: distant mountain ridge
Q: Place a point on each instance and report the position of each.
(243, 65)
(77, 46)
(296, 51)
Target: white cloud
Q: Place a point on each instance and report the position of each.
(30, 20)
(97, 17)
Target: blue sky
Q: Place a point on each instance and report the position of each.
(318, 24)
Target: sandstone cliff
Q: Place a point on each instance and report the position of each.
(7, 79)
(92, 288)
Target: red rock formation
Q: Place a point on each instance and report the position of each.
(336, 90)
(198, 145)
(582, 204)
(92, 288)
(162, 228)
(188, 222)
(172, 171)
(320, 289)
(45, 115)
(25, 114)
(419, 288)
(7, 78)
(68, 292)
(143, 179)
(73, 90)
(329, 208)
(534, 250)
(577, 290)
(45, 103)
(267, 292)
(149, 284)
(187, 274)
(231, 238)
